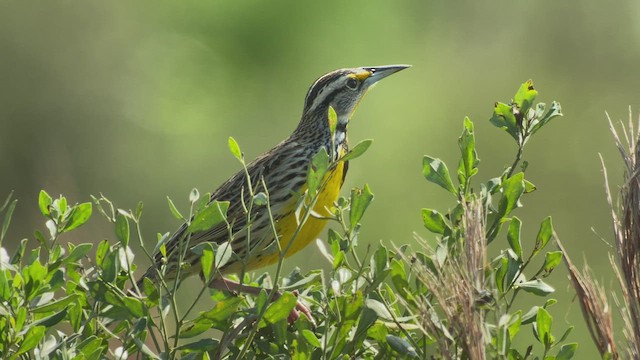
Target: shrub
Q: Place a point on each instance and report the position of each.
(442, 298)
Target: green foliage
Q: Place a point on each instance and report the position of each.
(477, 217)
(390, 302)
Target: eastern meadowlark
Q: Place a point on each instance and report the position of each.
(283, 170)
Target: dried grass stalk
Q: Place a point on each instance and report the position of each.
(594, 305)
(626, 226)
(452, 312)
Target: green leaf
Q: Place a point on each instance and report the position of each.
(80, 215)
(280, 309)
(139, 207)
(122, 230)
(21, 316)
(206, 260)
(202, 203)
(110, 266)
(77, 252)
(194, 195)
(503, 118)
(367, 319)
(31, 339)
(101, 252)
(377, 331)
(434, 221)
(512, 189)
(200, 346)
(513, 236)
(60, 205)
(467, 145)
(360, 200)
(381, 311)
(34, 273)
(501, 272)
(6, 201)
(162, 240)
(338, 260)
(544, 235)
(317, 170)
(51, 226)
(90, 344)
(554, 111)
(221, 313)
(213, 214)
(379, 262)
(435, 171)
(7, 219)
(530, 316)
(566, 334)
(151, 290)
(51, 320)
(56, 305)
(223, 254)
(401, 346)
(513, 268)
(357, 150)
(235, 149)
(543, 327)
(399, 279)
(44, 201)
(514, 324)
(40, 237)
(353, 305)
(549, 302)
(525, 96)
(537, 287)
(567, 351)
(144, 349)
(493, 185)
(551, 260)
(302, 282)
(260, 199)
(5, 286)
(514, 355)
(529, 187)
(324, 251)
(174, 209)
(195, 328)
(311, 338)
(134, 306)
(332, 117)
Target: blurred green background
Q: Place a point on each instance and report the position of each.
(136, 100)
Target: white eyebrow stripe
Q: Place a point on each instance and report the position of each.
(326, 91)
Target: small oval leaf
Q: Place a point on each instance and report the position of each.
(436, 171)
(44, 201)
(81, 214)
(537, 287)
(235, 149)
(434, 221)
(357, 150)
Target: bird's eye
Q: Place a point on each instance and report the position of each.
(352, 83)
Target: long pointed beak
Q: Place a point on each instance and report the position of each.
(380, 72)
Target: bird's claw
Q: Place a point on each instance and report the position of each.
(300, 308)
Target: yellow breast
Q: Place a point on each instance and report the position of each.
(287, 226)
(312, 228)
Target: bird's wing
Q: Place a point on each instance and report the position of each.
(233, 191)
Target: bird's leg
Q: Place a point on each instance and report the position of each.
(232, 286)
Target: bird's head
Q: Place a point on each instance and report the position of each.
(343, 89)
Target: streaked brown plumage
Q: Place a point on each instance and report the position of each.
(284, 169)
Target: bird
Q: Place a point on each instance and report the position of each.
(283, 170)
